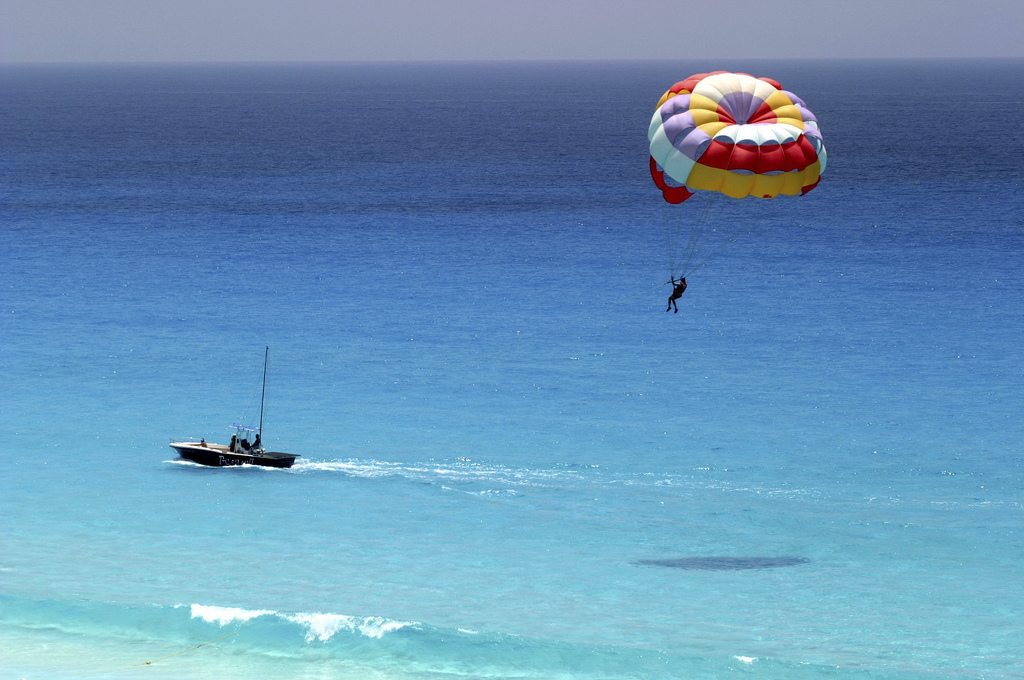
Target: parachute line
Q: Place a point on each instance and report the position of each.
(681, 257)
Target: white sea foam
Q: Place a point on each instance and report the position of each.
(377, 627)
(355, 468)
(319, 627)
(225, 615)
(461, 471)
(323, 627)
(746, 659)
(497, 492)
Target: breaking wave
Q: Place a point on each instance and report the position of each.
(187, 640)
(380, 646)
(317, 627)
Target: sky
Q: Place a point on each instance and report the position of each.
(414, 30)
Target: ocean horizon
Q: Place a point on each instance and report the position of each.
(513, 462)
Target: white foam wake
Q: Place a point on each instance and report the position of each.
(463, 471)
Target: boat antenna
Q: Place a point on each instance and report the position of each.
(266, 355)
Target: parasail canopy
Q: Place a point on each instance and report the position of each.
(734, 134)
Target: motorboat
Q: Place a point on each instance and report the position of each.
(245, 447)
(238, 452)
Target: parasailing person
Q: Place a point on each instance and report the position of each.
(732, 135)
(678, 288)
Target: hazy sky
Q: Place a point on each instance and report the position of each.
(289, 30)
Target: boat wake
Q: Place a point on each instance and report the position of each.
(461, 475)
(497, 481)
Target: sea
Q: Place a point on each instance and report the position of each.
(514, 463)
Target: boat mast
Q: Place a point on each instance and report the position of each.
(266, 355)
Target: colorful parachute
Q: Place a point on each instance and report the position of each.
(734, 134)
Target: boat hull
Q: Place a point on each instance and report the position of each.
(218, 455)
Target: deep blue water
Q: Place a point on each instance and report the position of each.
(515, 464)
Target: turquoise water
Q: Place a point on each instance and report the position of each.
(459, 271)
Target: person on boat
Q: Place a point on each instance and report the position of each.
(234, 443)
(202, 441)
(256, 442)
(244, 444)
(678, 288)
